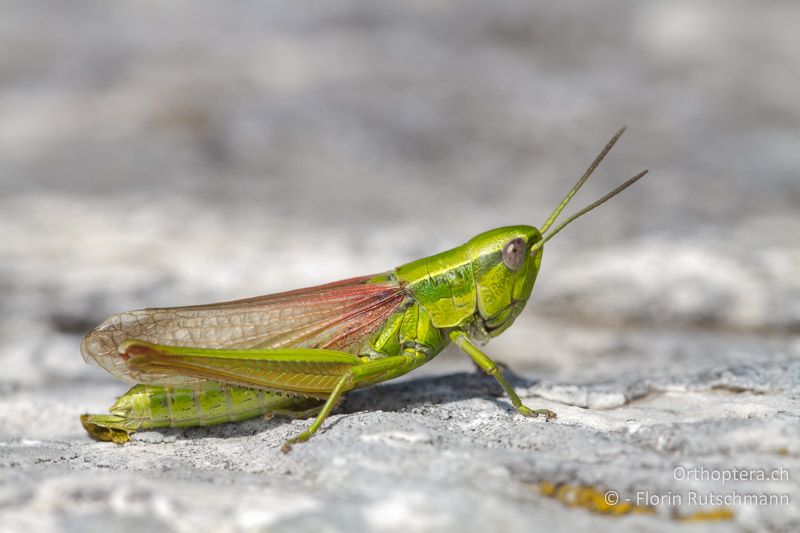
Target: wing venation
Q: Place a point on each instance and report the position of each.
(338, 316)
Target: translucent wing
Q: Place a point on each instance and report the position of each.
(337, 316)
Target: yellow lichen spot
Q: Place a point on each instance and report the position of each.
(720, 513)
(609, 502)
(591, 499)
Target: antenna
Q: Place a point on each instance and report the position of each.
(586, 209)
(557, 211)
(547, 235)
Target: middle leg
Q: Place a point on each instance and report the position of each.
(371, 371)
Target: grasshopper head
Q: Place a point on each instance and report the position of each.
(505, 271)
(505, 261)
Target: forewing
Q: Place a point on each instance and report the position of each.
(337, 316)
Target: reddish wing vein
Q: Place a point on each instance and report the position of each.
(336, 316)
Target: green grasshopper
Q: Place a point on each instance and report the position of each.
(297, 353)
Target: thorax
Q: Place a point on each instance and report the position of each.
(443, 285)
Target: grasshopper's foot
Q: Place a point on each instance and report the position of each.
(302, 437)
(527, 411)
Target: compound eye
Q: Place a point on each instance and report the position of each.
(514, 254)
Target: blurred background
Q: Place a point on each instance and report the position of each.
(156, 154)
(185, 152)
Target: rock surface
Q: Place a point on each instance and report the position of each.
(190, 152)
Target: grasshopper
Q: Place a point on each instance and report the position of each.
(298, 353)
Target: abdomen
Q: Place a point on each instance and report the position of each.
(149, 407)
